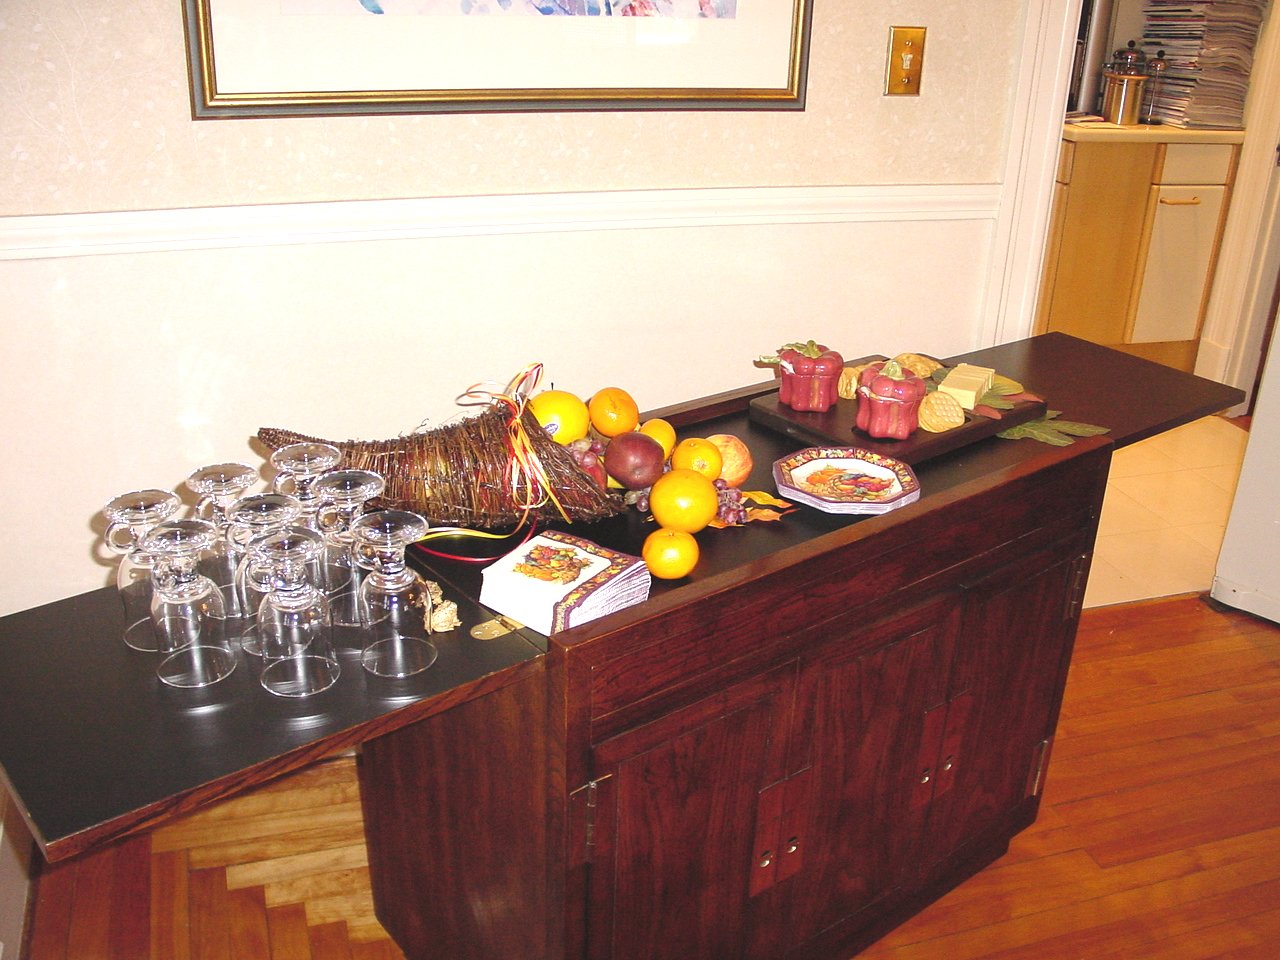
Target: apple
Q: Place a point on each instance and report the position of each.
(634, 460)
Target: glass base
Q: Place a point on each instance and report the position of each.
(302, 676)
(399, 656)
(196, 666)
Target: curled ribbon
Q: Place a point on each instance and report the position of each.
(525, 469)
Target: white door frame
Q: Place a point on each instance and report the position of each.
(1250, 254)
(1231, 342)
(1037, 100)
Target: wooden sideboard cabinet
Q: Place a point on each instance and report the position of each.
(781, 762)
(828, 724)
(1136, 223)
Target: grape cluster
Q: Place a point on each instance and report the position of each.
(582, 450)
(731, 509)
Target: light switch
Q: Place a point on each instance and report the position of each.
(905, 63)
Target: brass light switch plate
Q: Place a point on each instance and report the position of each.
(905, 63)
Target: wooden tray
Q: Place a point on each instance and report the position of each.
(836, 426)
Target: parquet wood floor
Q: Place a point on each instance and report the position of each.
(1158, 838)
(277, 874)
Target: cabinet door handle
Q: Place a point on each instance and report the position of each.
(1171, 202)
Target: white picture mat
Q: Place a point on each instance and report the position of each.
(258, 48)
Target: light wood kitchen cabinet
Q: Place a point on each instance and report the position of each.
(1134, 236)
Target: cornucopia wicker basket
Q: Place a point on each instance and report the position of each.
(465, 474)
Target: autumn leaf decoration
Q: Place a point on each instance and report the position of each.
(766, 507)
(1049, 429)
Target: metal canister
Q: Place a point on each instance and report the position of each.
(1124, 80)
(1122, 98)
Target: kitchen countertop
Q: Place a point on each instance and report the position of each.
(1099, 131)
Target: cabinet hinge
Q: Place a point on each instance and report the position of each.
(1079, 580)
(590, 794)
(1036, 780)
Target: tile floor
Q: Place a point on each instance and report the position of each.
(1165, 512)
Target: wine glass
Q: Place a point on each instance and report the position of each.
(298, 465)
(341, 496)
(186, 606)
(395, 604)
(293, 621)
(250, 519)
(130, 516)
(219, 486)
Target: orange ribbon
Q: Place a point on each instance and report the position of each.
(525, 469)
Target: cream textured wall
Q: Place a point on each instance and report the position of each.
(96, 117)
(127, 369)
(122, 370)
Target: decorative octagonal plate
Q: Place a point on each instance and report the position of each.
(846, 480)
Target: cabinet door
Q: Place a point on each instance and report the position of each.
(1098, 240)
(674, 825)
(1180, 256)
(1007, 678)
(870, 713)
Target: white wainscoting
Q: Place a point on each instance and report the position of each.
(141, 345)
(142, 231)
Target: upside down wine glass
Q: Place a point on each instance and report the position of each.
(219, 486)
(298, 466)
(395, 604)
(131, 515)
(341, 496)
(186, 608)
(250, 519)
(293, 621)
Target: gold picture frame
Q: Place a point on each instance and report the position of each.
(359, 57)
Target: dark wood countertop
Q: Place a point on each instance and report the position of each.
(93, 747)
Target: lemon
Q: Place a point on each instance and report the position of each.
(562, 414)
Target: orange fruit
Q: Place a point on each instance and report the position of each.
(698, 454)
(683, 499)
(669, 554)
(736, 457)
(661, 431)
(613, 411)
(562, 414)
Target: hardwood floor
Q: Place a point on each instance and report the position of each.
(1159, 831)
(1158, 839)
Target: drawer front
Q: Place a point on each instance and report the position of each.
(1197, 163)
(644, 669)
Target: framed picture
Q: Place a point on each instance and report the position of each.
(252, 58)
